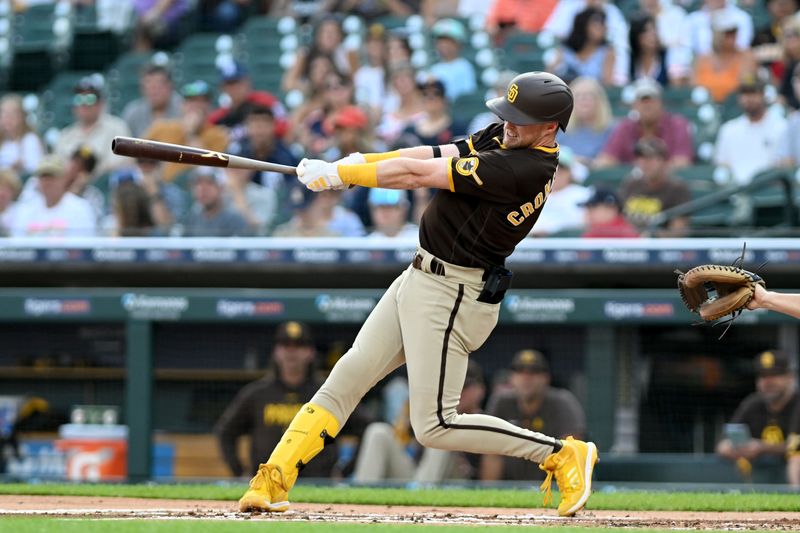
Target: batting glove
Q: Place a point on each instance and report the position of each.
(356, 158)
(319, 175)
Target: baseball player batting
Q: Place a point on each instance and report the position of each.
(446, 303)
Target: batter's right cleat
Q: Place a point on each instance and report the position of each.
(572, 467)
(267, 492)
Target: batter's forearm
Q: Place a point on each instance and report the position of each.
(398, 173)
(415, 152)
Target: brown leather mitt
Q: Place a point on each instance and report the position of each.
(713, 291)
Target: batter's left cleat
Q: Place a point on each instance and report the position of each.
(572, 467)
(267, 492)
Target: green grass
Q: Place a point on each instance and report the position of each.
(50, 525)
(633, 500)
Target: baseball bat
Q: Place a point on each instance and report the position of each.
(178, 153)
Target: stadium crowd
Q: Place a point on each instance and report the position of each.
(673, 99)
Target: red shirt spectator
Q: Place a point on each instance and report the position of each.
(653, 121)
(524, 15)
(604, 218)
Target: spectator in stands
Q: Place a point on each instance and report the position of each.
(564, 210)
(561, 24)
(507, 16)
(93, 127)
(264, 408)
(433, 10)
(370, 78)
(131, 208)
(310, 127)
(789, 151)
(604, 216)
(586, 52)
(649, 119)
(720, 70)
(751, 142)
(225, 16)
(455, 71)
(319, 215)
(648, 55)
(20, 148)
(209, 216)
(762, 418)
(398, 49)
(793, 449)
(791, 58)
(10, 186)
(58, 212)
(532, 403)
(651, 189)
(389, 450)
(238, 87)
(389, 213)
(700, 25)
(437, 125)
(260, 196)
(79, 170)
(158, 23)
(767, 42)
(168, 203)
(329, 42)
(371, 10)
(591, 123)
(404, 104)
(673, 33)
(158, 101)
(190, 127)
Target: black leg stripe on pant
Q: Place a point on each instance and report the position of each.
(443, 368)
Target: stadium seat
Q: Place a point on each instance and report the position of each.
(609, 177)
(467, 106)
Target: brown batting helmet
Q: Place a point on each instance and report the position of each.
(534, 98)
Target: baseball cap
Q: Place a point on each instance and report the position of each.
(724, 20)
(432, 85)
(50, 166)
(196, 88)
(646, 88)
(751, 82)
(772, 363)
(86, 156)
(350, 117)
(650, 147)
(602, 197)
(208, 173)
(387, 197)
(300, 196)
(232, 71)
(529, 361)
(90, 84)
(293, 332)
(450, 29)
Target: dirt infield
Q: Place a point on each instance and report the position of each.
(95, 507)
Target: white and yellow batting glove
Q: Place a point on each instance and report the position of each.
(319, 175)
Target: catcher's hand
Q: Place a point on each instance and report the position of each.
(734, 288)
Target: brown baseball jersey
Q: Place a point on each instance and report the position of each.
(771, 427)
(495, 197)
(642, 201)
(560, 415)
(263, 410)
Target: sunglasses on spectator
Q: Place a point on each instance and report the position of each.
(84, 99)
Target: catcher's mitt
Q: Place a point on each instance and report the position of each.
(734, 288)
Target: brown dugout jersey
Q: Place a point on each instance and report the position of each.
(771, 427)
(560, 415)
(263, 409)
(495, 197)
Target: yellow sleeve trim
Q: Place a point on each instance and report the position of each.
(450, 174)
(470, 145)
(375, 157)
(365, 175)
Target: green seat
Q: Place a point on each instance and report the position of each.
(94, 49)
(610, 177)
(467, 106)
(716, 215)
(699, 179)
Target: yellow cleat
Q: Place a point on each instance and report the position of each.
(267, 492)
(572, 467)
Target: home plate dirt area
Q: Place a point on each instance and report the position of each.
(157, 509)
